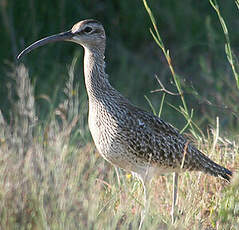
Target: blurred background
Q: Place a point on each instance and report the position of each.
(190, 30)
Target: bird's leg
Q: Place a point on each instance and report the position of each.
(117, 175)
(145, 202)
(146, 182)
(175, 195)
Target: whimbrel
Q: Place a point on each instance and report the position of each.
(124, 134)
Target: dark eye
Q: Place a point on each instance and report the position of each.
(87, 29)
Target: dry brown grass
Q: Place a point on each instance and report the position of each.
(52, 179)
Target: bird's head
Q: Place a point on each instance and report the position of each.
(88, 33)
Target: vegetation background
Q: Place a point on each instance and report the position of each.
(51, 177)
(190, 29)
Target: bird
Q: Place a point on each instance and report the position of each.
(125, 135)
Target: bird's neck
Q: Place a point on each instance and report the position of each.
(96, 79)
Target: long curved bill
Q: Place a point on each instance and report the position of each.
(64, 36)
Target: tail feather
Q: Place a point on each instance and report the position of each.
(209, 166)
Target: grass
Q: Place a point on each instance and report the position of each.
(51, 176)
(191, 31)
(228, 50)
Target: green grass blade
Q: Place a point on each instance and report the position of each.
(161, 105)
(150, 104)
(230, 57)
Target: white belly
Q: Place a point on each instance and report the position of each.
(105, 133)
